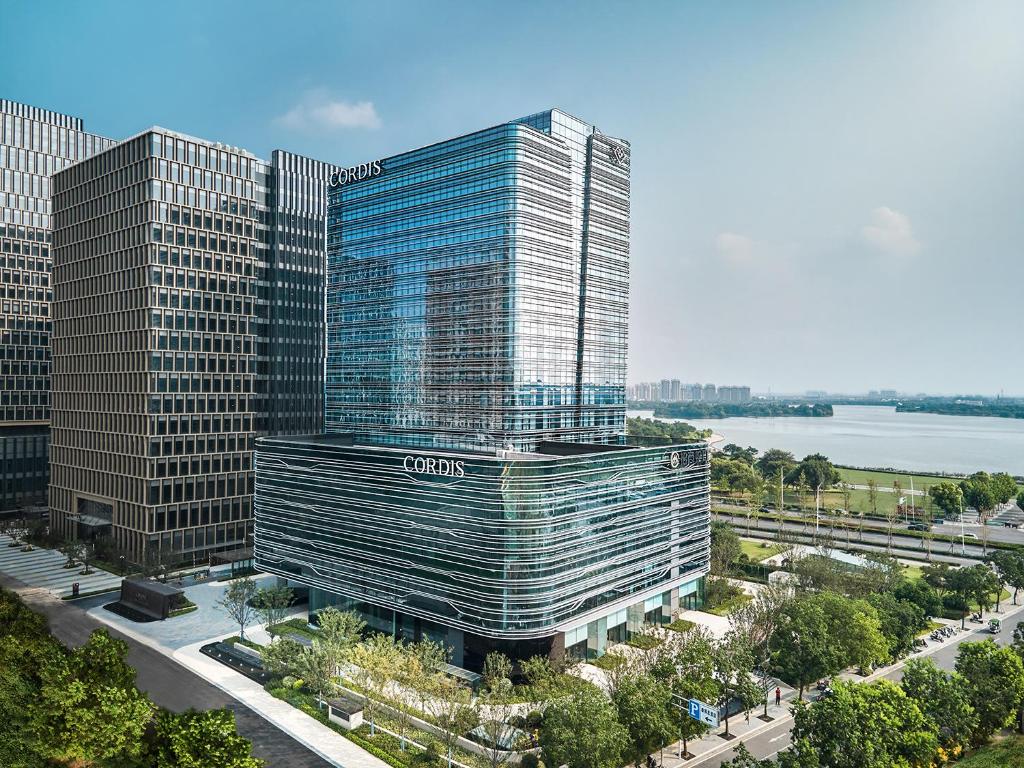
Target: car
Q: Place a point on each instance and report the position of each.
(1011, 524)
(938, 521)
(919, 527)
(970, 535)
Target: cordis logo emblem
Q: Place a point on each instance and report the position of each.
(673, 460)
(618, 154)
(430, 466)
(343, 176)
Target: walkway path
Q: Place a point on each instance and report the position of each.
(45, 568)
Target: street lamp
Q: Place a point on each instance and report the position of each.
(122, 565)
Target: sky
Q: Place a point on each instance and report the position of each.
(824, 195)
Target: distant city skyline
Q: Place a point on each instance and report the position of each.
(824, 196)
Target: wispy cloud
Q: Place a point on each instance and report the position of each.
(890, 232)
(734, 248)
(319, 112)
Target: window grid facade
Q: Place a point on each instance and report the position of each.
(174, 267)
(477, 290)
(34, 144)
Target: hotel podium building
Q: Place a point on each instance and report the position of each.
(474, 483)
(187, 320)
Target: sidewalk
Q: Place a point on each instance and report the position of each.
(45, 568)
(327, 743)
(323, 741)
(713, 744)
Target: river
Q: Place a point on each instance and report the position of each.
(878, 436)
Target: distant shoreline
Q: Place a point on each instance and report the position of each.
(756, 409)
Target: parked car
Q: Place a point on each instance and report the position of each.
(970, 536)
(919, 527)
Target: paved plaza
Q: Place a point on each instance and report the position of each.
(45, 568)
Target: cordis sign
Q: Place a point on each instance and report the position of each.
(431, 466)
(343, 176)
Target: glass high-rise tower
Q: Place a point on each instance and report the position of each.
(477, 289)
(475, 484)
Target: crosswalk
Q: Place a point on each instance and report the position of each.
(44, 568)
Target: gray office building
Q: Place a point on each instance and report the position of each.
(34, 144)
(474, 483)
(187, 321)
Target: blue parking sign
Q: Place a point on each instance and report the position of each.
(695, 709)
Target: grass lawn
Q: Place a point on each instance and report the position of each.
(1008, 753)
(730, 605)
(756, 552)
(932, 625)
(885, 479)
(913, 572)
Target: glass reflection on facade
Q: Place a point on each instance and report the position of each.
(477, 290)
(501, 546)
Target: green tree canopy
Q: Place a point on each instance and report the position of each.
(725, 547)
(583, 731)
(867, 726)
(943, 701)
(644, 708)
(816, 470)
(802, 648)
(994, 678)
(1003, 486)
(773, 460)
(948, 497)
(206, 739)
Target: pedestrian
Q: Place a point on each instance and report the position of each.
(778, 696)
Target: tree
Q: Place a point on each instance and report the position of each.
(867, 726)
(899, 620)
(237, 603)
(582, 731)
(1020, 499)
(746, 455)
(282, 657)
(873, 506)
(1003, 486)
(317, 665)
(205, 739)
(70, 551)
(373, 661)
(340, 630)
(725, 548)
(948, 497)
(1010, 565)
(994, 678)
(272, 603)
(732, 664)
(644, 708)
(855, 630)
(452, 710)
(497, 667)
(977, 490)
(937, 577)
(497, 707)
(84, 552)
(801, 646)
(965, 583)
(88, 709)
(773, 461)
(817, 471)
(943, 701)
(691, 674)
(921, 594)
(757, 619)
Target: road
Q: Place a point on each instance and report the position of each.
(775, 738)
(169, 684)
(873, 540)
(995, 532)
